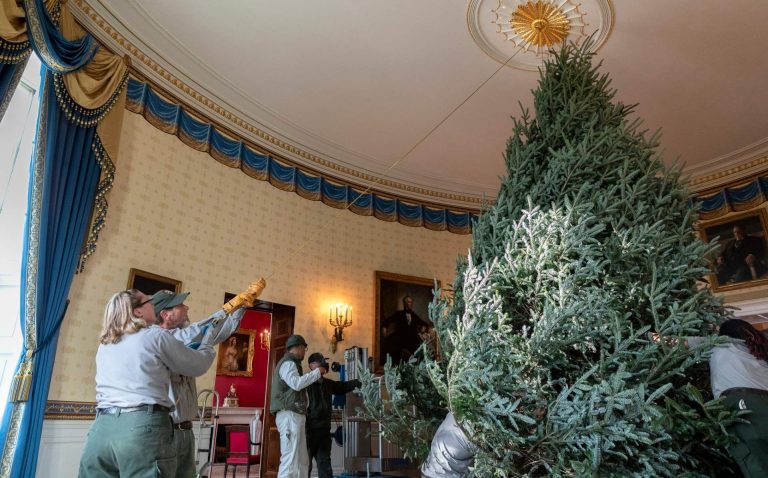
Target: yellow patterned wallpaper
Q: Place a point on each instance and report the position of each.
(176, 212)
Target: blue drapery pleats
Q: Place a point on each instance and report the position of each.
(172, 118)
(70, 174)
(55, 51)
(737, 198)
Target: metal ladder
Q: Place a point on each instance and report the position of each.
(203, 470)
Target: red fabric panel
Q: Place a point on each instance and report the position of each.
(250, 390)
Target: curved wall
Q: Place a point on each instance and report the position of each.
(175, 212)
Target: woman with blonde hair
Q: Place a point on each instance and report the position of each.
(132, 435)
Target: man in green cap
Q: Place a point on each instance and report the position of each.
(172, 315)
(288, 401)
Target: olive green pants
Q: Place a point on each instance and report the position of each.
(136, 445)
(750, 448)
(184, 441)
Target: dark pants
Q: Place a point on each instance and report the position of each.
(750, 449)
(319, 447)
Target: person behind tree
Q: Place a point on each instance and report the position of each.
(288, 402)
(739, 372)
(132, 434)
(743, 258)
(319, 415)
(400, 333)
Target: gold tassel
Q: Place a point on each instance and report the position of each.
(22, 382)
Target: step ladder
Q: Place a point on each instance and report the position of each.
(204, 470)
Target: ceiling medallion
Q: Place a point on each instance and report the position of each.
(538, 24)
(522, 33)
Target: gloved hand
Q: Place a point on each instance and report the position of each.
(245, 298)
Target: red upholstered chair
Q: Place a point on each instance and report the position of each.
(239, 449)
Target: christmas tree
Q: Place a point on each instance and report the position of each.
(547, 359)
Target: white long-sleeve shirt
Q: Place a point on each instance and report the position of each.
(732, 366)
(137, 370)
(291, 376)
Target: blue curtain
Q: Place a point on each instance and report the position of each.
(63, 183)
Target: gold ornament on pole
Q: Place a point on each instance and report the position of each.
(245, 298)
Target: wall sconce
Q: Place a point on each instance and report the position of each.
(264, 339)
(340, 317)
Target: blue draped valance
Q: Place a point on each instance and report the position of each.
(171, 118)
(729, 199)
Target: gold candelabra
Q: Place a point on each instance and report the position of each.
(340, 317)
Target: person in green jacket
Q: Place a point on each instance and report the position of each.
(319, 415)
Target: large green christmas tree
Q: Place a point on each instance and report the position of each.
(547, 362)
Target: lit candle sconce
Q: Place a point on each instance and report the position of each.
(264, 339)
(340, 317)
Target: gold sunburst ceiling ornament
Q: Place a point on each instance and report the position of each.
(536, 26)
(540, 23)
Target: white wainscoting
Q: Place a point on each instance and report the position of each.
(61, 445)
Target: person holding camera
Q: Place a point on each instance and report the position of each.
(319, 415)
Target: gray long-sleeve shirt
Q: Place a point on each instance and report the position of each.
(209, 332)
(137, 370)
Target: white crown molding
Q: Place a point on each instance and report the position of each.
(461, 193)
(739, 164)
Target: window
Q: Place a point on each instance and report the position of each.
(17, 135)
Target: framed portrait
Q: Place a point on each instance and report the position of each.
(402, 316)
(150, 283)
(742, 259)
(235, 357)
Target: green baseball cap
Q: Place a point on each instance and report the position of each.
(295, 340)
(166, 299)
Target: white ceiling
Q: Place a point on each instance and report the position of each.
(360, 82)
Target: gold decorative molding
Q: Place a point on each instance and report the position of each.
(231, 118)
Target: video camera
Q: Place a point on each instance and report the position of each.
(334, 366)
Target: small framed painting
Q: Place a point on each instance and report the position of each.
(235, 357)
(150, 283)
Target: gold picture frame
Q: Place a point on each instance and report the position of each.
(149, 283)
(391, 290)
(731, 269)
(235, 357)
